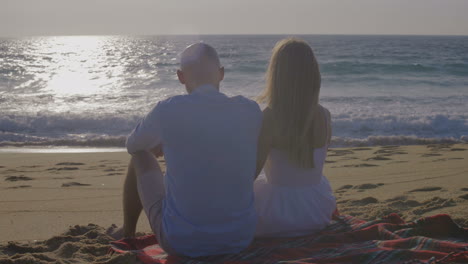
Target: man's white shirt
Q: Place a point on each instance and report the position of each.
(210, 145)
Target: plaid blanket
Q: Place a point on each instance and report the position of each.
(435, 239)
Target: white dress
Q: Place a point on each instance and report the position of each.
(293, 201)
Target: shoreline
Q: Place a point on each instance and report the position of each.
(95, 149)
(60, 149)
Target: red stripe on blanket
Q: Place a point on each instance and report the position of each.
(435, 239)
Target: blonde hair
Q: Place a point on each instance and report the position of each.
(292, 92)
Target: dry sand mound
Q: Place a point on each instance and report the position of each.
(79, 244)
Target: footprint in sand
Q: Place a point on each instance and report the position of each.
(430, 155)
(31, 166)
(113, 169)
(437, 147)
(70, 164)
(378, 158)
(70, 184)
(427, 189)
(64, 168)
(109, 174)
(360, 149)
(465, 196)
(14, 171)
(342, 201)
(345, 187)
(348, 158)
(114, 173)
(63, 178)
(18, 178)
(398, 161)
(362, 165)
(389, 152)
(397, 198)
(433, 204)
(457, 149)
(19, 187)
(365, 201)
(366, 186)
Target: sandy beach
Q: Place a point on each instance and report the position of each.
(45, 195)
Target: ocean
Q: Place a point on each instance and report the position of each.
(92, 90)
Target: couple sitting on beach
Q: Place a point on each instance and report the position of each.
(210, 201)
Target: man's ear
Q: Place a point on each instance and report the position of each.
(180, 75)
(221, 73)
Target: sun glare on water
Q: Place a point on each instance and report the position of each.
(76, 60)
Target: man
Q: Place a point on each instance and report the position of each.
(204, 204)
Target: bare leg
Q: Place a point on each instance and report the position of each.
(131, 202)
(141, 162)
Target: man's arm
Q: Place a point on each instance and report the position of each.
(147, 134)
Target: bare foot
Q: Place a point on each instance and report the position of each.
(115, 232)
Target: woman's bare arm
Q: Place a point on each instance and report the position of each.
(264, 140)
(329, 126)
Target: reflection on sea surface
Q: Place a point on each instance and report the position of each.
(92, 90)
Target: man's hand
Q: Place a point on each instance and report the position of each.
(157, 151)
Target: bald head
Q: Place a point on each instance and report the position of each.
(198, 54)
(199, 65)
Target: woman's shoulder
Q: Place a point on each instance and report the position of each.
(267, 115)
(268, 128)
(324, 114)
(267, 111)
(324, 110)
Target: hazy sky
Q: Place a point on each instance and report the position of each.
(89, 17)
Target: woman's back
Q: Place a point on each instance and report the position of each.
(293, 198)
(279, 170)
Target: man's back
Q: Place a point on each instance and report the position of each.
(210, 146)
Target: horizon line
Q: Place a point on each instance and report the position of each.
(236, 34)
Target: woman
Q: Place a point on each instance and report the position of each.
(293, 198)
